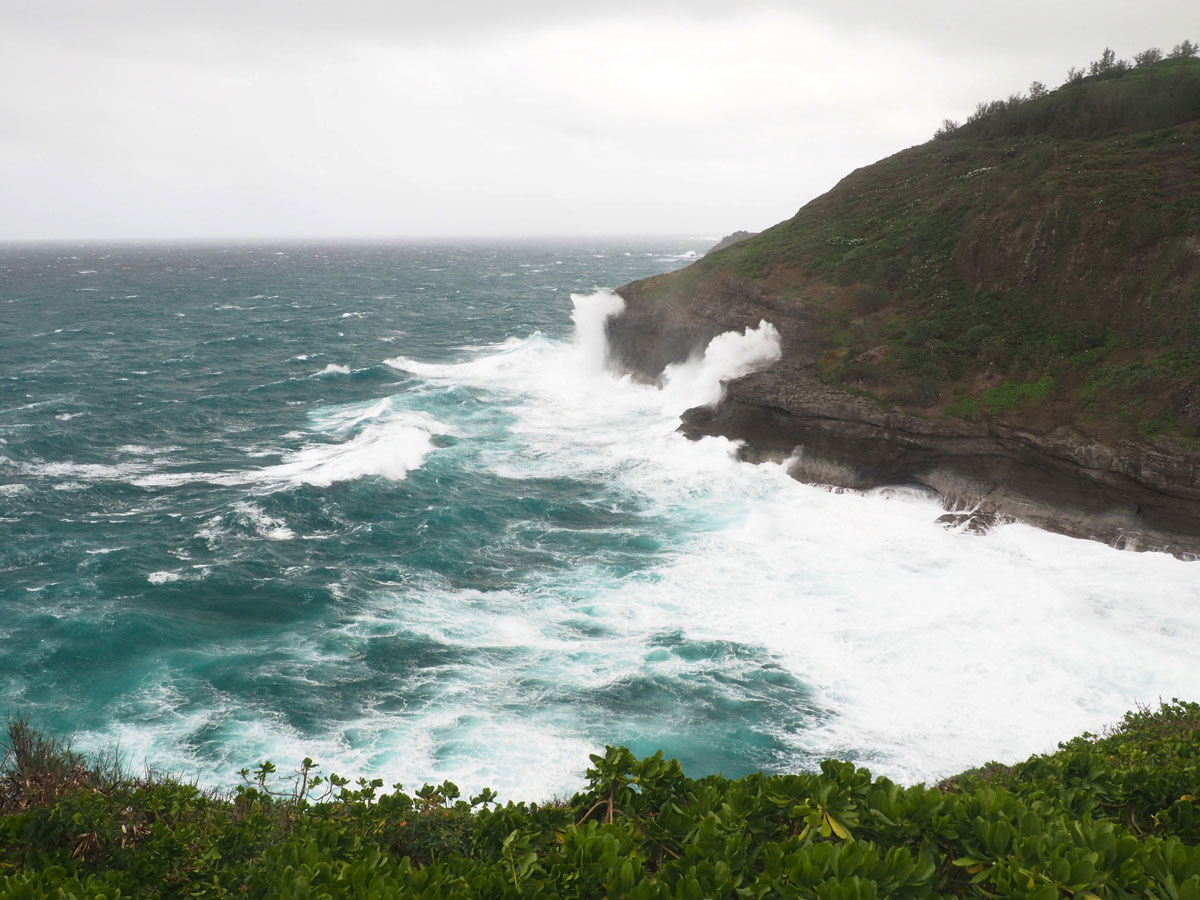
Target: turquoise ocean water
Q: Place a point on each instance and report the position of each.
(385, 507)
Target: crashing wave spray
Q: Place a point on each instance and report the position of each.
(590, 314)
(699, 381)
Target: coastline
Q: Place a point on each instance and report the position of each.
(1130, 495)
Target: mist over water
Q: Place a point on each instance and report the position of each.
(385, 507)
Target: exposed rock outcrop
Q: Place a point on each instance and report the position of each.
(1008, 315)
(1061, 478)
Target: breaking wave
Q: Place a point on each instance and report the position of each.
(492, 556)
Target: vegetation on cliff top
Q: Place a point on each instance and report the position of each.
(1104, 817)
(1039, 263)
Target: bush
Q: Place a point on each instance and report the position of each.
(37, 768)
(1147, 57)
(869, 298)
(1005, 397)
(1184, 50)
(1110, 817)
(949, 126)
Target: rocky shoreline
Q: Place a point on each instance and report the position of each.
(1132, 496)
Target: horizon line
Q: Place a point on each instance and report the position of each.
(243, 240)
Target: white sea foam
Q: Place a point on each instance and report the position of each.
(264, 525)
(936, 650)
(86, 471)
(159, 724)
(382, 442)
(333, 369)
(925, 650)
(143, 450)
(929, 649)
(339, 419)
(212, 532)
(698, 382)
(390, 451)
(163, 577)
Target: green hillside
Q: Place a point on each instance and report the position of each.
(1040, 263)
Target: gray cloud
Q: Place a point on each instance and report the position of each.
(952, 25)
(143, 119)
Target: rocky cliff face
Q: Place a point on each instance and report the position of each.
(1061, 478)
(1012, 320)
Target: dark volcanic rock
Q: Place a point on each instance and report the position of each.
(974, 522)
(654, 332)
(1132, 496)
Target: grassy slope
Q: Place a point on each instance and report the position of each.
(1041, 264)
(1108, 817)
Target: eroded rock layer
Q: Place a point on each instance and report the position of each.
(1059, 477)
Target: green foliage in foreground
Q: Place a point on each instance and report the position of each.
(1108, 817)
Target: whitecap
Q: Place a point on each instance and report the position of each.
(384, 443)
(264, 525)
(335, 419)
(212, 532)
(87, 471)
(389, 450)
(333, 369)
(163, 577)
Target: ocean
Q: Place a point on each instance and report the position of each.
(385, 506)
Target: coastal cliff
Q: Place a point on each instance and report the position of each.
(1008, 315)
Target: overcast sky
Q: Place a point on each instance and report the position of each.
(389, 118)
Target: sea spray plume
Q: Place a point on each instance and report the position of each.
(590, 313)
(698, 382)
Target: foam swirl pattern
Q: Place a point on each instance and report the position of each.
(384, 506)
